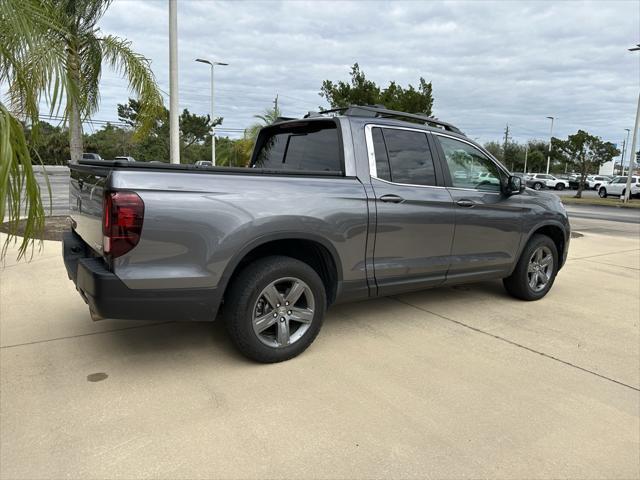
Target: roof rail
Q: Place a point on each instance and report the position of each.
(379, 111)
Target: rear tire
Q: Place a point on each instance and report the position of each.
(535, 271)
(537, 186)
(602, 193)
(560, 186)
(260, 324)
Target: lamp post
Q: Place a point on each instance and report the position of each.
(550, 137)
(624, 150)
(627, 190)
(212, 64)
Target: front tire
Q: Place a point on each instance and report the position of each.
(560, 186)
(602, 193)
(275, 309)
(535, 271)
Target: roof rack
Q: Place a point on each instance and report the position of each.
(380, 111)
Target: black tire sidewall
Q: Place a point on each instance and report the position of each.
(518, 283)
(244, 293)
(602, 193)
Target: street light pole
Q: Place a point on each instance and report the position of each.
(212, 64)
(632, 156)
(624, 151)
(550, 137)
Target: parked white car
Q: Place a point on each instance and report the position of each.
(539, 180)
(594, 181)
(618, 186)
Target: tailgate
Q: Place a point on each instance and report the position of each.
(86, 190)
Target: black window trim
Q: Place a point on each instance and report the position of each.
(373, 168)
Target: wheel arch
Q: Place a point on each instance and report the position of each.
(315, 251)
(556, 232)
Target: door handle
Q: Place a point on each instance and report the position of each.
(465, 203)
(391, 199)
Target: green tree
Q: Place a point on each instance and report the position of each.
(269, 116)
(495, 149)
(81, 51)
(232, 152)
(154, 145)
(50, 144)
(586, 153)
(110, 142)
(361, 91)
(25, 25)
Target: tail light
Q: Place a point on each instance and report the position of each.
(122, 218)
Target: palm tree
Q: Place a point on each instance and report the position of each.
(83, 51)
(25, 26)
(52, 51)
(269, 116)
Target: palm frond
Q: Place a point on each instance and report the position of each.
(20, 192)
(137, 70)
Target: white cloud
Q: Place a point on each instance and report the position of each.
(490, 63)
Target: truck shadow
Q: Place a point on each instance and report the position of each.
(197, 342)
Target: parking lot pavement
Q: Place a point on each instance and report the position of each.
(449, 383)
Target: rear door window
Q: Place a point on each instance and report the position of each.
(313, 146)
(403, 156)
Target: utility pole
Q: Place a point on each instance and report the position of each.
(504, 150)
(632, 157)
(550, 137)
(526, 153)
(174, 126)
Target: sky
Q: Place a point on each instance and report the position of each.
(491, 63)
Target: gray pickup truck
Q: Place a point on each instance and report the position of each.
(336, 206)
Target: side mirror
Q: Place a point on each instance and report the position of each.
(512, 186)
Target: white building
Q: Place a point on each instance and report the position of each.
(606, 168)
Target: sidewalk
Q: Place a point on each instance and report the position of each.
(456, 382)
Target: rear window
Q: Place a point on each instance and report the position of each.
(403, 156)
(310, 146)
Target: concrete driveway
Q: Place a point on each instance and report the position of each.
(449, 383)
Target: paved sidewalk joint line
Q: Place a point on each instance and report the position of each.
(86, 334)
(604, 254)
(511, 342)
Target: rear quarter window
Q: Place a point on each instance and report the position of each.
(305, 146)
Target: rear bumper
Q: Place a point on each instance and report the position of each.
(108, 297)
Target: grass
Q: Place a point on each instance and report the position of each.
(606, 202)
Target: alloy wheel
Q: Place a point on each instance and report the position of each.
(540, 268)
(283, 312)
